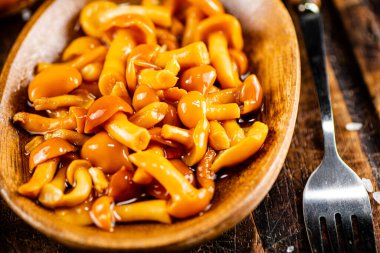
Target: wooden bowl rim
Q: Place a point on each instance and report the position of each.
(235, 215)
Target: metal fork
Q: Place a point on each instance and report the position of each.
(334, 192)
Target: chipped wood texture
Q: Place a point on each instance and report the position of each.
(363, 30)
(354, 72)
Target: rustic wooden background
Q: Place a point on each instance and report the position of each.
(353, 46)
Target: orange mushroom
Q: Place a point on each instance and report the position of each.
(80, 98)
(193, 17)
(148, 210)
(144, 53)
(103, 109)
(185, 199)
(242, 150)
(251, 95)
(218, 137)
(80, 46)
(90, 17)
(209, 7)
(192, 55)
(42, 175)
(144, 96)
(199, 78)
(193, 107)
(150, 115)
(115, 63)
(49, 149)
(105, 153)
(122, 187)
(222, 31)
(194, 140)
(158, 14)
(205, 176)
(54, 81)
(102, 213)
(69, 135)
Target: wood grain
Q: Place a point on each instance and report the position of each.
(365, 40)
(281, 208)
(273, 50)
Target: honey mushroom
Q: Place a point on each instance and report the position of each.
(77, 175)
(146, 94)
(105, 153)
(192, 55)
(141, 176)
(102, 213)
(109, 112)
(205, 176)
(122, 41)
(141, 53)
(73, 137)
(49, 149)
(43, 174)
(249, 95)
(80, 46)
(185, 199)
(150, 115)
(148, 210)
(242, 150)
(222, 31)
(96, 55)
(209, 7)
(199, 78)
(122, 187)
(193, 17)
(192, 107)
(195, 140)
(159, 15)
(78, 98)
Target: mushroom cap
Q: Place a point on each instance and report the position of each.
(200, 139)
(79, 47)
(192, 108)
(225, 23)
(143, 28)
(54, 81)
(51, 148)
(106, 153)
(90, 17)
(74, 165)
(103, 109)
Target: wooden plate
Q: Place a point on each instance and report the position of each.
(271, 42)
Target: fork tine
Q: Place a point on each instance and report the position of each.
(366, 231)
(332, 233)
(348, 233)
(313, 229)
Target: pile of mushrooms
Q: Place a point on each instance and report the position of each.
(140, 113)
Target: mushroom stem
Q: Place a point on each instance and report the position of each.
(223, 111)
(218, 137)
(185, 199)
(71, 136)
(121, 129)
(234, 131)
(115, 63)
(244, 149)
(177, 134)
(193, 17)
(220, 59)
(205, 176)
(42, 175)
(52, 103)
(210, 7)
(192, 55)
(34, 123)
(150, 115)
(153, 210)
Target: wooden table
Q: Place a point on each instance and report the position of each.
(353, 46)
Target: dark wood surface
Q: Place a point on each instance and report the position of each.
(353, 45)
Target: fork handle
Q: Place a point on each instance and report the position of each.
(312, 28)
